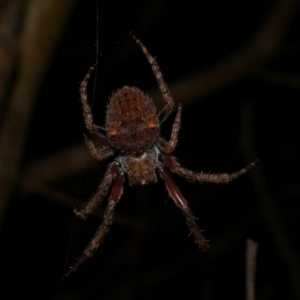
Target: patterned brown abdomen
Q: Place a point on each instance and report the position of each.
(131, 121)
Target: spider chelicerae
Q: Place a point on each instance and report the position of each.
(132, 128)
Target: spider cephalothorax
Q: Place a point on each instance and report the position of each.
(132, 128)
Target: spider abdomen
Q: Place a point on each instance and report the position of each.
(131, 121)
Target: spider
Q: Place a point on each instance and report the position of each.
(132, 128)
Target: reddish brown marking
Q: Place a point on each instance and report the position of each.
(117, 188)
(169, 162)
(173, 189)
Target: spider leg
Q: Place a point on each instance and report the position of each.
(169, 146)
(179, 200)
(159, 77)
(203, 177)
(99, 154)
(87, 113)
(109, 177)
(89, 251)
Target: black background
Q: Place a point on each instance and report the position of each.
(41, 238)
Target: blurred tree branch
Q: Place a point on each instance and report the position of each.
(251, 253)
(42, 29)
(266, 199)
(9, 19)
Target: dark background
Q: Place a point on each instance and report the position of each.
(245, 107)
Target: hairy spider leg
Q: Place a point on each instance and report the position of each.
(92, 247)
(160, 80)
(169, 146)
(97, 153)
(92, 204)
(87, 114)
(204, 177)
(179, 200)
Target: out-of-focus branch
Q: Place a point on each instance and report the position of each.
(42, 29)
(10, 16)
(59, 166)
(263, 47)
(267, 201)
(275, 77)
(251, 253)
